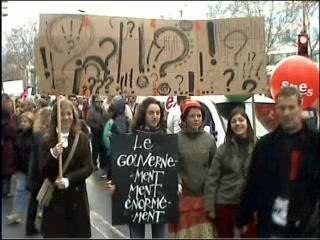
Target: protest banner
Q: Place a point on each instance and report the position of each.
(88, 54)
(144, 172)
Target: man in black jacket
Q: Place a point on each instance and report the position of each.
(283, 182)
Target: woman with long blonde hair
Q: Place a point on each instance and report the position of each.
(34, 180)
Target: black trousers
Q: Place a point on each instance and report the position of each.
(32, 210)
(6, 184)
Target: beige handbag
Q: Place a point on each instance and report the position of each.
(45, 193)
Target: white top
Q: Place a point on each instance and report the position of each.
(173, 120)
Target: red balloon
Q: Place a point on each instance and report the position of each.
(300, 72)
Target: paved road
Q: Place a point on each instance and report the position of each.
(100, 212)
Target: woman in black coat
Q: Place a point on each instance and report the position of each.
(68, 215)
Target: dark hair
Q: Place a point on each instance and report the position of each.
(230, 133)
(140, 117)
(288, 92)
(111, 113)
(75, 126)
(181, 99)
(72, 96)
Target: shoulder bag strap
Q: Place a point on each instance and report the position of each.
(70, 156)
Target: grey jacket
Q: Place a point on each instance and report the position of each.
(227, 175)
(196, 152)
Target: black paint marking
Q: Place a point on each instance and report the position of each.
(243, 70)
(126, 80)
(231, 47)
(110, 55)
(149, 52)
(181, 80)
(130, 77)
(154, 66)
(258, 69)
(92, 83)
(71, 23)
(100, 86)
(45, 64)
(80, 29)
(156, 59)
(212, 48)
(191, 83)
(249, 82)
(77, 77)
(201, 64)
(44, 58)
(248, 57)
(231, 72)
(52, 71)
(121, 84)
(185, 52)
(254, 55)
(141, 50)
(120, 51)
(62, 28)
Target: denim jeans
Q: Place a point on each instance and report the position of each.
(19, 202)
(158, 230)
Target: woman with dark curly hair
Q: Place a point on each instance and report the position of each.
(149, 120)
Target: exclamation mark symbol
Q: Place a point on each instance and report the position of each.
(191, 83)
(201, 66)
(212, 48)
(45, 64)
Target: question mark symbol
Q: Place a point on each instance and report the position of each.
(245, 37)
(249, 82)
(231, 72)
(131, 28)
(109, 81)
(181, 77)
(186, 47)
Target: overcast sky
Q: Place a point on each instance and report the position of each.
(20, 12)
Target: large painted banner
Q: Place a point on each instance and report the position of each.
(112, 55)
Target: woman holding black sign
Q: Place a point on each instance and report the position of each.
(149, 120)
(68, 214)
(197, 149)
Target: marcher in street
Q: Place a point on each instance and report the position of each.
(8, 138)
(23, 148)
(68, 215)
(117, 123)
(197, 149)
(173, 118)
(228, 173)
(96, 121)
(34, 180)
(283, 181)
(73, 98)
(149, 120)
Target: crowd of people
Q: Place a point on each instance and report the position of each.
(246, 187)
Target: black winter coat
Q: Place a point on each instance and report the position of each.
(35, 179)
(24, 146)
(264, 184)
(68, 215)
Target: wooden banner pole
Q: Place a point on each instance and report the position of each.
(254, 119)
(59, 132)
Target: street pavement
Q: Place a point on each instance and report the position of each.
(100, 213)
